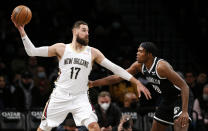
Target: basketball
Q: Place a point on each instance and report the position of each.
(21, 15)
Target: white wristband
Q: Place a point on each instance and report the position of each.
(116, 69)
(32, 50)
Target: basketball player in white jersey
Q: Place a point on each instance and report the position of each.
(75, 63)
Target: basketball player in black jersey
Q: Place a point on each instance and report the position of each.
(175, 104)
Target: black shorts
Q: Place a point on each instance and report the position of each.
(170, 109)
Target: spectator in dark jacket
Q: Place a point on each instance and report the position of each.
(26, 95)
(108, 113)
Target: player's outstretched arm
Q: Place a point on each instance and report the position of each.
(117, 70)
(31, 50)
(113, 79)
(109, 80)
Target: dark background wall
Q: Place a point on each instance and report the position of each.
(179, 28)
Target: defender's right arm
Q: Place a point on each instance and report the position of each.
(113, 79)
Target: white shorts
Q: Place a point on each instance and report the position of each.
(60, 104)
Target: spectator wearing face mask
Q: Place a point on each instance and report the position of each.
(201, 107)
(108, 113)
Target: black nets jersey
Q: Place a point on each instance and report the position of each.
(161, 85)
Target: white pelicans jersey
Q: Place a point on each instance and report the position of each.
(74, 68)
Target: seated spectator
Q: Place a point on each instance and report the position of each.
(108, 113)
(201, 107)
(130, 106)
(26, 95)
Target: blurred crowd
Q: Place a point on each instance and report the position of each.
(30, 89)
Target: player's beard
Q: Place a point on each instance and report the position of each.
(82, 41)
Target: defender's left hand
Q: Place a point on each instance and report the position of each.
(183, 119)
(141, 88)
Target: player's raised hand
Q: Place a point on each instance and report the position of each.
(19, 27)
(15, 23)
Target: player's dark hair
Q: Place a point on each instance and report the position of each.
(78, 23)
(150, 47)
